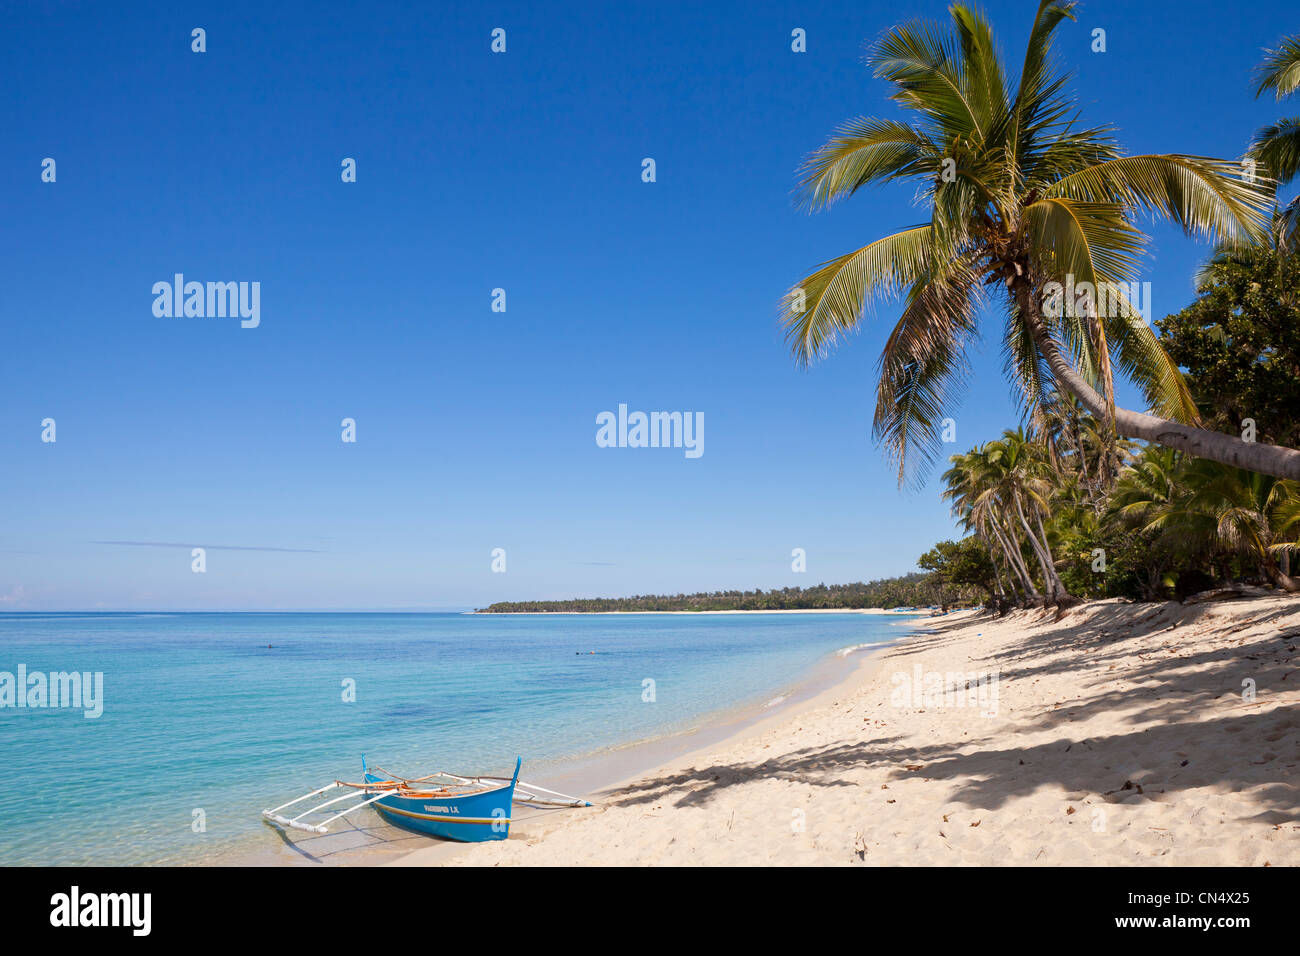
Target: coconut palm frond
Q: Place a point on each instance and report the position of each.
(1057, 152)
(986, 85)
(922, 61)
(1277, 149)
(1280, 71)
(830, 302)
(1143, 360)
(923, 368)
(1091, 241)
(1024, 365)
(862, 152)
(1020, 194)
(1214, 199)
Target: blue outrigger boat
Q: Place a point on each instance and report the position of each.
(469, 809)
(456, 812)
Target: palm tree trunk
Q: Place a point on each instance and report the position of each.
(1051, 563)
(1272, 460)
(1035, 596)
(1048, 584)
(1006, 591)
(1275, 572)
(1017, 562)
(1056, 591)
(1000, 591)
(1011, 589)
(1025, 584)
(1093, 498)
(1015, 583)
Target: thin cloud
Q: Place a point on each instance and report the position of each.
(210, 547)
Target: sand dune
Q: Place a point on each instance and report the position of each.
(1122, 735)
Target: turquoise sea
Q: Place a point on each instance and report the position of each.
(228, 713)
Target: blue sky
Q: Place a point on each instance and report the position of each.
(476, 429)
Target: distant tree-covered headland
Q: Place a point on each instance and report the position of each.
(910, 590)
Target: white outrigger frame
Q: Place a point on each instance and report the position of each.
(526, 793)
(275, 816)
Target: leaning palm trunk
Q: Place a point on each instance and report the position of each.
(1022, 590)
(1055, 591)
(1048, 584)
(1276, 573)
(1000, 590)
(1015, 588)
(1275, 460)
(1017, 562)
(1015, 585)
(1035, 596)
(1006, 595)
(1094, 498)
(1063, 594)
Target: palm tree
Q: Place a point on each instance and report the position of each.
(1021, 197)
(1237, 511)
(1078, 448)
(1147, 488)
(1002, 492)
(1198, 506)
(1024, 484)
(1277, 147)
(970, 488)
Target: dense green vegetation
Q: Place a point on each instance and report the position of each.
(1062, 513)
(906, 591)
(1240, 344)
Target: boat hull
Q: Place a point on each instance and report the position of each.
(468, 818)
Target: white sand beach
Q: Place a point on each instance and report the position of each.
(1122, 734)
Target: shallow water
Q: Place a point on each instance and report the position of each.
(208, 718)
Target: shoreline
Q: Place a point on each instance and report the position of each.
(588, 775)
(840, 672)
(1120, 734)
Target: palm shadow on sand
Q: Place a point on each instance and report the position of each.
(1243, 746)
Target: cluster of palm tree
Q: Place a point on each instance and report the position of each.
(1235, 523)
(1065, 514)
(1002, 491)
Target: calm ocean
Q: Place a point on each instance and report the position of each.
(199, 713)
